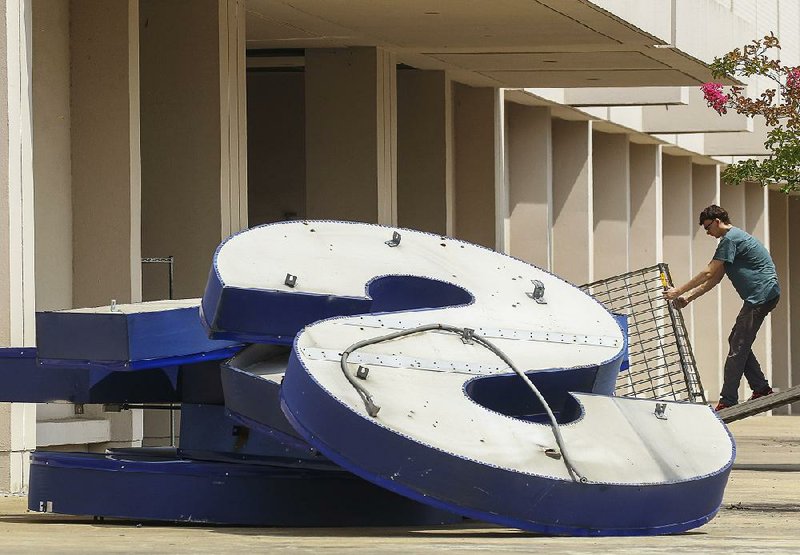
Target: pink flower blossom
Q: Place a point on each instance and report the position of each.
(793, 78)
(715, 98)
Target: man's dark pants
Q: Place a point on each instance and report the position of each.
(741, 359)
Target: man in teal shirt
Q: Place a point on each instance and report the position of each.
(751, 271)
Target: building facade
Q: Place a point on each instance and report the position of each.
(568, 134)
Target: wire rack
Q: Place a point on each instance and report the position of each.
(661, 364)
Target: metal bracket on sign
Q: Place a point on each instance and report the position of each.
(553, 453)
(362, 372)
(290, 280)
(661, 411)
(466, 337)
(395, 240)
(538, 292)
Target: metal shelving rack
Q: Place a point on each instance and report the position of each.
(661, 362)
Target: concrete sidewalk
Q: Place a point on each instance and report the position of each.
(760, 514)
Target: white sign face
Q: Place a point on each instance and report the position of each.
(425, 383)
(345, 260)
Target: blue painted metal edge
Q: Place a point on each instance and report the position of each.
(170, 332)
(588, 504)
(23, 379)
(247, 309)
(132, 486)
(165, 362)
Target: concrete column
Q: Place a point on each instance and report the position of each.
(17, 280)
(732, 199)
(679, 221)
(706, 311)
(17, 284)
(106, 171)
(478, 165)
(52, 164)
(502, 212)
(781, 323)
(425, 197)
(792, 297)
(159, 431)
(757, 224)
(17, 440)
(611, 185)
(106, 159)
(193, 137)
(52, 170)
(194, 149)
(530, 177)
(573, 218)
(125, 429)
(276, 146)
(230, 35)
(646, 246)
(351, 145)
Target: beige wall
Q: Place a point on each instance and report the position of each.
(757, 224)
(51, 154)
(157, 428)
(475, 113)
(678, 217)
(105, 151)
(424, 151)
(611, 198)
(52, 164)
(7, 242)
(183, 141)
(17, 237)
(646, 230)
(530, 175)
(707, 334)
(781, 328)
(692, 117)
(350, 143)
(572, 201)
(17, 440)
(276, 162)
(792, 297)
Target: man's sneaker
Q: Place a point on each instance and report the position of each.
(721, 406)
(763, 393)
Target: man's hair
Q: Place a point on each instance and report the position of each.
(714, 212)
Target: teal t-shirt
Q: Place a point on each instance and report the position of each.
(749, 266)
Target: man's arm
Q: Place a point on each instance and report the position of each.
(698, 285)
(715, 271)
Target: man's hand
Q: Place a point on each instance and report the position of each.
(698, 285)
(680, 302)
(672, 294)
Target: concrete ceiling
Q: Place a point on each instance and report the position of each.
(500, 43)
